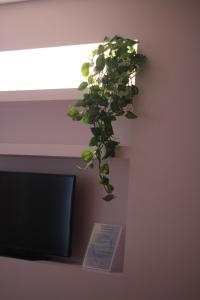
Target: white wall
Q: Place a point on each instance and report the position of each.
(162, 243)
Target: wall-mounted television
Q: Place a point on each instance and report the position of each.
(36, 214)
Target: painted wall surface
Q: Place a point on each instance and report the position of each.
(162, 213)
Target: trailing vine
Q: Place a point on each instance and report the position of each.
(110, 92)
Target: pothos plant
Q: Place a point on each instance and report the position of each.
(110, 92)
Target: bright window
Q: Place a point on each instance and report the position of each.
(43, 68)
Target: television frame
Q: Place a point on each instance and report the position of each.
(25, 253)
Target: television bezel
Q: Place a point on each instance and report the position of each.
(23, 253)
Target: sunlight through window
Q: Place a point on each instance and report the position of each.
(43, 68)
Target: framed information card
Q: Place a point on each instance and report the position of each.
(102, 246)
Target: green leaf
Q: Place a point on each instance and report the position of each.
(123, 101)
(100, 63)
(134, 90)
(125, 79)
(100, 49)
(108, 128)
(131, 42)
(94, 52)
(130, 115)
(108, 197)
(93, 114)
(110, 149)
(110, 188)
(88, 100)
(85, 69)
(96, 131)
(79, 103)
(93, 141)
(78, 117)
(104, 180)
(120, 113)
(110, 152)
(104, 169)
(131, 49)
(103, 101)
(90, 79)
(83, 85)
(87, 155)
(72, 111)
(94, 89)
(115, 106)
(111, 62)
(106, 39)
(86, 118)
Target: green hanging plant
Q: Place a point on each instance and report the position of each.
(110, 92)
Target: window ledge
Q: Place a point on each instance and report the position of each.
(40, 95)
(53, 150)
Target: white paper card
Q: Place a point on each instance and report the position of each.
(102, 246)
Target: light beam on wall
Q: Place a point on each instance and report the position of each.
(43, 68)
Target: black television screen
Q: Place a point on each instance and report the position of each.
(35, 214)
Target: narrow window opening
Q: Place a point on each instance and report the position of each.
(43, 68)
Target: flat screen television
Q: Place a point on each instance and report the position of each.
(36, 214)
